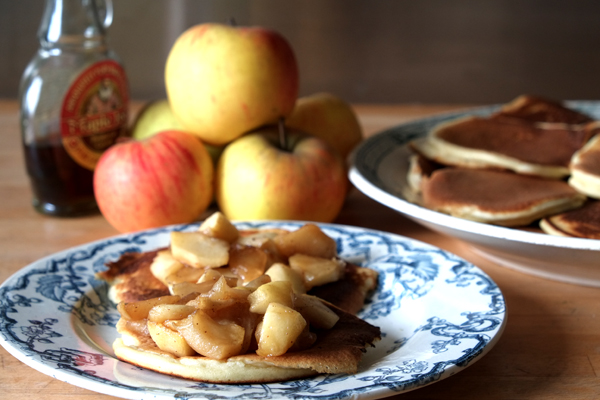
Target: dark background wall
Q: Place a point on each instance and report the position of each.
(376, 51)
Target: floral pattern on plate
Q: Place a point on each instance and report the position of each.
(438, 314)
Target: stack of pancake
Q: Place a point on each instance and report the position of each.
(534, 162)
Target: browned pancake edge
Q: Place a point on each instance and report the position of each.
(540, 109)
(513, 138)
(497, 197)
(583, 222)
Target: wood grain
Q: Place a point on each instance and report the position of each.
(549, 350)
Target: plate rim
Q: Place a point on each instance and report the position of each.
(100, 387)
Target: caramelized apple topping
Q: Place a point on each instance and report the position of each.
(233, 292)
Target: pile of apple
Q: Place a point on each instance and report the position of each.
(232, 130)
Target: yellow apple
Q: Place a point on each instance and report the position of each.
(223, 81)
(258, 179)
(157, 116)
(162, 180)
(329, 117)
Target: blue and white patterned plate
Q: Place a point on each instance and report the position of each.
(438, 314)
(379, 169)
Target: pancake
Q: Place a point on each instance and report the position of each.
(585, 169)
(337, 350)
(130, 278)
(538, 109)
(184, 336)
(350, 292)
(510, 144)
(583, 222)
(497, 197)
(419, 167)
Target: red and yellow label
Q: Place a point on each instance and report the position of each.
(94, 112)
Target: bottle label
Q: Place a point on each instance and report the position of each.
(94, 112)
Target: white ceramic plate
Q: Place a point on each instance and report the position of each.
(379, 170)
(438, 314)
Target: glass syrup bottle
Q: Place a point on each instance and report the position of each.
(74, 104)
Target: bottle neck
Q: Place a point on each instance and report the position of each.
(73, 24)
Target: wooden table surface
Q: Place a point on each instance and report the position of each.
(550, 348)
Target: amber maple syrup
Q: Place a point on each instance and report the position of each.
(74, 100)
(60, 186)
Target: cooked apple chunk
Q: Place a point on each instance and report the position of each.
(282, 272)
(214, 274)
(317, 271)
(223, 300)
(162, 312)
(219, 226)
(221, 291)
(247, 262)
(315, 312)
(138, 310)
(263, 240)
(184, 274)
(211, 338)
(164, 265)
(308, 239)
(210, 275)
(258, 239)
(199, 250)
(169, 340)
(273, 292)
(256, 283)
(187, 288)
(280, 328)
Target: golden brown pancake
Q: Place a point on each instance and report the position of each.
(130, 278)
(172, 343)
(337, 350)
(350, 292)
(511, 144)
(538, 109)
(585, 169)
(583, 222)
(497, 197)
(419, 167)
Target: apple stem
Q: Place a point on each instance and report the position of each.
(282, 134)
(232, 22)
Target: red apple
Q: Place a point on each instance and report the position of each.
(257, 179)
(162, 180)
(223, 81)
